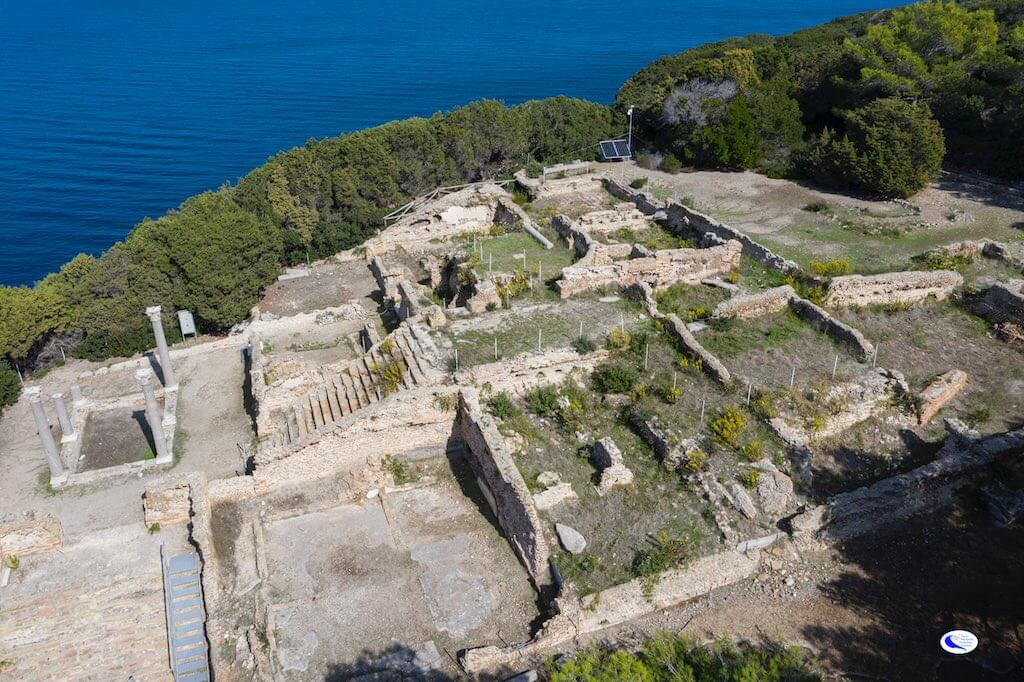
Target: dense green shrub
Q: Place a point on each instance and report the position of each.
(501, 406)
(891, 148)
(671, 164)
(10, 385)
(678, 658)
(543, 401)
(617, 378)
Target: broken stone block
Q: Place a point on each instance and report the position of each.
(606, 454)
(167, 506)
(570, 538)
(938, 393)
(549, 479)
(554, 496)
(613, 476)
(607, 457)
(774, 488)
(741, 500)
(35, 535)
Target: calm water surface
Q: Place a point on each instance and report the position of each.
(114, 110)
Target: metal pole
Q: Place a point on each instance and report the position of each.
(835, 366)
(490, 263)
(456, 359)
(674, 374)
(629, 136)
(581, 330)
(21, 379)
(62, 355)
(702, 401)
(874, 358)
(647, 350)
(538, 339)
(792, 377)
(748, 394)
(622, 324)
(495, 346)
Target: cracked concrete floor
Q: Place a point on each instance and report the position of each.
(402, 581)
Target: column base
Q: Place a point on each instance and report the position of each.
(69, 439)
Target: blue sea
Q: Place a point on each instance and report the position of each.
(113, 110)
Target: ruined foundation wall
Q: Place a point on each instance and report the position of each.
(507, 490)
(647, 204)
(661, 270)
(755, 305)
(1003, 302)
(678, 331)
(892, 287)
(860, 511)
(527, 371)
(821, 320)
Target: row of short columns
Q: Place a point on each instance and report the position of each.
(58, 472)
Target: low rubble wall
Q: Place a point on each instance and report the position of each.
(821, 320)
(892, 287)
(755, 305)
(647, 204)
(661, 270)
(527, 371)
(504, 486)
(633, 599)
(894, 499)
(678, 331)
(1002, 302)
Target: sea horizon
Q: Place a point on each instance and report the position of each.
(114, 115)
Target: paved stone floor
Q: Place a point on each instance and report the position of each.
(405, 581)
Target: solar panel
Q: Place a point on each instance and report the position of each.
(615, 149)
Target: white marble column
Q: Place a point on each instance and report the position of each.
(66, 427)
(156, 424)
(153, 313)
(35, 401)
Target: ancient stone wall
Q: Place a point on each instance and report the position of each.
(495, 469)
(821, 320)
(891, 500)
(682, 219)
(938, 393)
(678, 331)
(891, 287)
(625, 602)
(528, 371)
(1002, 302)
(466, 210)
(647, 204)
(661, 270)
(755, 305)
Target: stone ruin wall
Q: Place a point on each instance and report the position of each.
(755, 305)
(930, 486)
(504, 486)
(529, 370)
(681, 219)
(820, 319)
(1002, 302)
(679, 332)
(891, 287)
(468, 210)
(661, 270)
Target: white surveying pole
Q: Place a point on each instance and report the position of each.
(629, 135)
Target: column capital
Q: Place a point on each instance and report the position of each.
(34, 394)
(153, 312)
